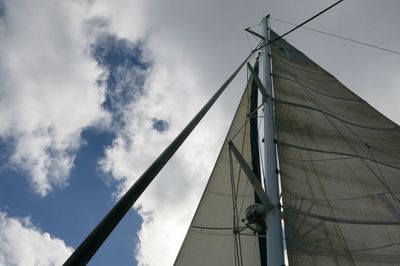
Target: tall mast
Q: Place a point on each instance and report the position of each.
(273, 221)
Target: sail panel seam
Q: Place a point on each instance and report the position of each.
(334, 116)
(336, 153)
(314, 90)
(340, 220)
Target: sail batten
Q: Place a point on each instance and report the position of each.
(340, 169)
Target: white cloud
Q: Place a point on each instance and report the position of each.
(191, 60)
(23, 244)
(125, 17)
(48, 93)
(195, 45)
(169, 202)
(48, 90)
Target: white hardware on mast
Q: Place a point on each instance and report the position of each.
(273, 220)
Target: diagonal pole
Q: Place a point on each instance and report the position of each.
(89, 246)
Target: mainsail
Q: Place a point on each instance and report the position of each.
(340, 168)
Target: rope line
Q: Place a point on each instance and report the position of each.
(340, 37)
(298, 26)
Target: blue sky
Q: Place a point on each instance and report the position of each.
(72, 212)
(92, 91)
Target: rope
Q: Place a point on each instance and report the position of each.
(298, 26)
(341, 37)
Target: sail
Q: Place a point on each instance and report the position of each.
(217, 234)
(339, 165)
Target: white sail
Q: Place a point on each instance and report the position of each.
(340, 168)
(211, 239)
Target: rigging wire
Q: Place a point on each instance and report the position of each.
(340, 37)
(248, 39)
(298, 26)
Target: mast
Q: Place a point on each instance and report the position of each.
(273, 221)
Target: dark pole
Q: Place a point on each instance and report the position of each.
(96, 238)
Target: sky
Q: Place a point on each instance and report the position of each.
(91, 91)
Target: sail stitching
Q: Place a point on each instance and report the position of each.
(377, 258)
(321, 105)
(337, 226)
(336, 153)
(340, 220)
(307, 178)
(300, 224)
(372, 196)
(329, 203)
(299, 67)
(317, 91)
(319, 160)
(381, 179)
(334, 116)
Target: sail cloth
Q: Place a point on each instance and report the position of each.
(340, 168)
(213, 237)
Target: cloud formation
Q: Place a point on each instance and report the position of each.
(48, 87)
(179, 82)
(164, 205)
(194, 46)
(21, 243)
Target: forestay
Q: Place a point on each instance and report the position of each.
(217, 235)
(340, 168)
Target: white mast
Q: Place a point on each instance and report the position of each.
(273, 221)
